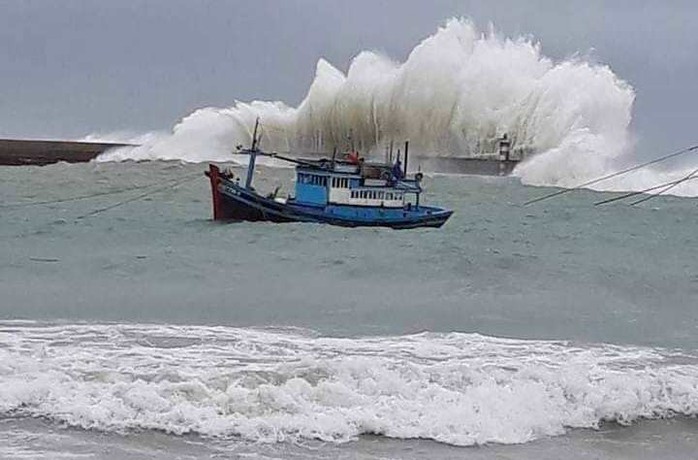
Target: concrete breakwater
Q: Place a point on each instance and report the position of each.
(43, 152)
(18, 152)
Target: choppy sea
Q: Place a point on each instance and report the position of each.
(145, 330)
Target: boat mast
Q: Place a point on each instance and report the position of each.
(253, 157)
(407, 146)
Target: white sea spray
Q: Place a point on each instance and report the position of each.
(457, 92)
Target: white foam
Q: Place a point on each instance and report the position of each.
(460, 389)
(457, 92)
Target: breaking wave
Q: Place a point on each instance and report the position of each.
(279, 386)
(457, 93)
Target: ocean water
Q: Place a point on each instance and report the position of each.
(148, 331)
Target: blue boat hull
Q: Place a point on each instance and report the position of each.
(235, 203)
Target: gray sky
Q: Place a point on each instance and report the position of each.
(73, 67)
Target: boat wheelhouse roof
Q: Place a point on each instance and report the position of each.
(363, 169)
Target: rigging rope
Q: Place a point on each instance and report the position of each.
(186, 178)
(641, 192)
(74, 198)
(692, 175)
(143, 195)
(612, 175)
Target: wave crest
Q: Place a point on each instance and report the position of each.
(455, 94)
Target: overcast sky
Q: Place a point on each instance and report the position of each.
(73, 67)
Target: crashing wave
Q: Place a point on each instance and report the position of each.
(275, 386)
(457, 92)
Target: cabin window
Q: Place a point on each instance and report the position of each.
(340, 182)
(314, 179)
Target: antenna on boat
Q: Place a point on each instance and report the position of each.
(334, 156)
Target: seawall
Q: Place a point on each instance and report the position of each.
(42, 152)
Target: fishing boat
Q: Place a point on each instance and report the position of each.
(349, 192)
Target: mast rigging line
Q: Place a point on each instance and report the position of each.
(612, 175)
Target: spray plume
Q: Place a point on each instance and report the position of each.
(458, 91)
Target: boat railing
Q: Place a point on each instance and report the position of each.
(409, 185)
